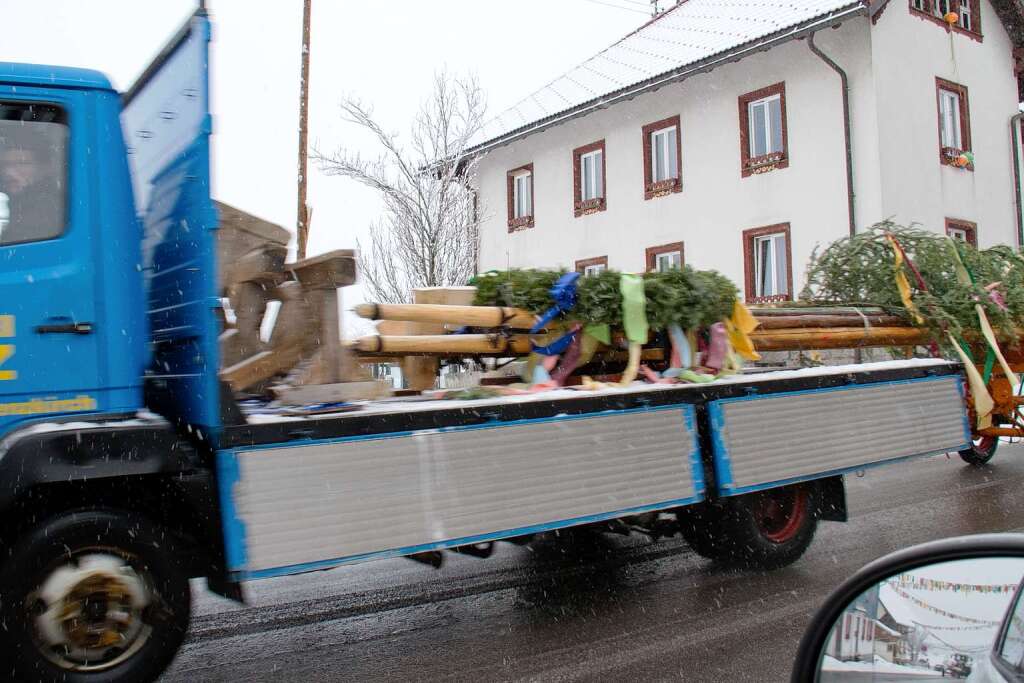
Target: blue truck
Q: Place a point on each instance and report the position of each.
(127, 467)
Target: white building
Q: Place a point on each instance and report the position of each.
(716, 135)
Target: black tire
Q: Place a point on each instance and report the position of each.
(980, 451)
(762, 530)
(147, 558)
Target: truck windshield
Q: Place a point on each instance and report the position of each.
(33, 172)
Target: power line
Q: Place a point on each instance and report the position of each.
(626, 9)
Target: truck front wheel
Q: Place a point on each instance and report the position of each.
(762, 530)
(91, 597)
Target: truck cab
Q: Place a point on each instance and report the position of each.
(73, 339)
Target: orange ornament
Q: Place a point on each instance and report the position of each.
(951, 18)
(962, 161)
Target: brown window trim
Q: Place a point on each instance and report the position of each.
(585, 208)
(769, 162)
(596, 261)
(948, 155)
(926, 14)
(524, 222)
(748, 263)
(660, 189)
(652, 254)
(967, 226)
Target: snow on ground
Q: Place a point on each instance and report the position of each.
(878, 666)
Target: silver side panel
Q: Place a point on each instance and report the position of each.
(764, 440)
(347, 499)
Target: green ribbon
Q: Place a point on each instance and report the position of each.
(634, 307)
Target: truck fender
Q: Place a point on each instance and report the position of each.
(55, 452)
(830, 499)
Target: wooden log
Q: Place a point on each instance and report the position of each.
(474, 316)
(837, 338)
(808, 321)
(420, 373)
(443, 345)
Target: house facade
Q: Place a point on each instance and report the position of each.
(729, 135)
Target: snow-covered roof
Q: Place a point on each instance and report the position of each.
(690, 37)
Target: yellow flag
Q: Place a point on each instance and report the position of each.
(902, 284)
(983, 403)
(739, 327)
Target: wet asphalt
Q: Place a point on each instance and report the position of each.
(587, 607)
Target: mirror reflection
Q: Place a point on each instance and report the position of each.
(961, 619)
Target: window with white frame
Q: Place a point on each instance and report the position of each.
(957, 233)
(765, 121)
(966, 15)
(592, 266)
(962, 230)
(664, 154)
(522, 195)
(592, 175)
(949, 119)
(918, 5)
(668, 260)
(771, 267)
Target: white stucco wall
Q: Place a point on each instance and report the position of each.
(909, 53)
(716, 203)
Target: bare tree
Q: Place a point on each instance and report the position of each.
(427, 235)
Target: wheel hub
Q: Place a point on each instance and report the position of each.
(781, 514)
(91, 612)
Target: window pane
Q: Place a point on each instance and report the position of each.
(662, 156)
(779, 252)
(528, 195)
(656, 157)
(1012, 648)
(598, 162)
(585, 179)
(763, 266)
(758, 141)
(775, 123)
(672, 154)
(33, 172)
(950, 117)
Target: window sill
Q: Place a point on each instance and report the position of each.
(949, 155)
(774, 299)
(522, 223)
(589, 206)
(765, 164)
(662, 188)
(973, 35)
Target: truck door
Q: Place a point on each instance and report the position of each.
(49, 361)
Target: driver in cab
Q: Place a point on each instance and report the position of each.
(30, 208)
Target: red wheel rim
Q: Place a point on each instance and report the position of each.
(781, 514)
(984, 444)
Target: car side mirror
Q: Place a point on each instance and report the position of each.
(950, 608)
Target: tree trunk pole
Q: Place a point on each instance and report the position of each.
(302, 218)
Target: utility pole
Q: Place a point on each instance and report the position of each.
(302, 219)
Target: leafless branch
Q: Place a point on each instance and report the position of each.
(427, 235)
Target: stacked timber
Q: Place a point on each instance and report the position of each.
(802, 328)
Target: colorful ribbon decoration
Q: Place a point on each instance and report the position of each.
(938, 610)
(634, 322)
(902, 284)
(563, 294)
(739, 326)
(906, 581)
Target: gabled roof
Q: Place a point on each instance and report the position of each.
(692, 36)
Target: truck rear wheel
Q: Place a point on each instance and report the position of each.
(763, 530)
(91, 597)
(981, 450)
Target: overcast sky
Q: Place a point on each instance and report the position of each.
(383, 52)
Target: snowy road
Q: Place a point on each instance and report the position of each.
(610, 609)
